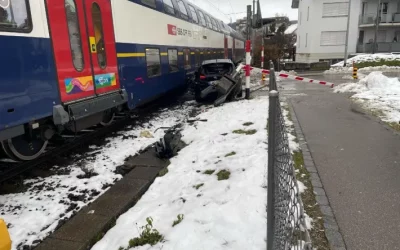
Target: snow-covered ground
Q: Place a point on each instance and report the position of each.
(376, 92)
(35, 213)
(368, 58)
(225, 214)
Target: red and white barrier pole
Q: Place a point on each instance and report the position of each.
(248, 59)
(262, 57)
(299, 78)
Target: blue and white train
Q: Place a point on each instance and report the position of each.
(72, 64)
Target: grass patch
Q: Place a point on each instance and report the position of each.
(394, 125)
(163, 172)
(311, 207)
(378, 63)
(198, 186)
(209, 171)
(178, 220)
(244, 132)
(223, 175)
(248, 124)
(230, 154)
(149, 235)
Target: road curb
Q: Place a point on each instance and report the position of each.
(332, 230)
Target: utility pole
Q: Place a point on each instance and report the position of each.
(377, 21)
(347, 36)
(253, 31)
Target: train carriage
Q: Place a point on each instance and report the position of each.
(71, 64)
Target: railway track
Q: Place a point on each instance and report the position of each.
(66, 143)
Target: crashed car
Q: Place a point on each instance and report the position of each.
(217, 80)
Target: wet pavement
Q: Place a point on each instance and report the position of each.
(358, 161)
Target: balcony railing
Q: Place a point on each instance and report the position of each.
(384, 18)
(380, 47)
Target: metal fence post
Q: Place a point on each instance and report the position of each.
(273, 96)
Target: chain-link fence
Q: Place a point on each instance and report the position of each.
(286, 227)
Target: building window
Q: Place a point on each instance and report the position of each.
(99, 36)
(209, 25)
(186, 54)
(173, 60)
(183, 10)
(384, 8)
(151, 3)
(333, 38)
(74, 34)
(335, 9)
(202, 19)
(153, 62)
(194, 14)
(15, 16)
(169, 7)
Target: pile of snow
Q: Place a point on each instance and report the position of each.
(226, 214)
(35, 213)
(368, 58)
(377, 92)
(349, 70)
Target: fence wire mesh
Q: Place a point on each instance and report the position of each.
(286, 227)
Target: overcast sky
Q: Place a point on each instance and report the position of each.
(222, 9)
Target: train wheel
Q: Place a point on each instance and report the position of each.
(21, 149)
(108, 117)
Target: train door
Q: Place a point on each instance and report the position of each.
(226, 47)
(84, 47)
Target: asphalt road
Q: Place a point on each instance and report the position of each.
(358, 160)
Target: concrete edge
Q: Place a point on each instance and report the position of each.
(332, 230)
(138, 180)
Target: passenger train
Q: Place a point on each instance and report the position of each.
(67, 65)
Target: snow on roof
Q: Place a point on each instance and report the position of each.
(368, 58)
(291, 29)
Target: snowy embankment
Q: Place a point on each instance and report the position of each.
(368, 58)
(36, 212)
(339, 69)
(378, 93)
(229, 213)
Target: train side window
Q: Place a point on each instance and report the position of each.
(209, 25)
(151, 3)
(153, 62)
(173, 60)
(186, 54)
(218, 25)
(213, 24)
(194, 14)
(183, 10)
(202, 19)
(169, 7)
(74, 34)
(15, 16)
(99, 36)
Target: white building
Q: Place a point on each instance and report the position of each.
(322, 25)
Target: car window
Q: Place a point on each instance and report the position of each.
(217, 68)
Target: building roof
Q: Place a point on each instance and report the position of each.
(291, 29)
